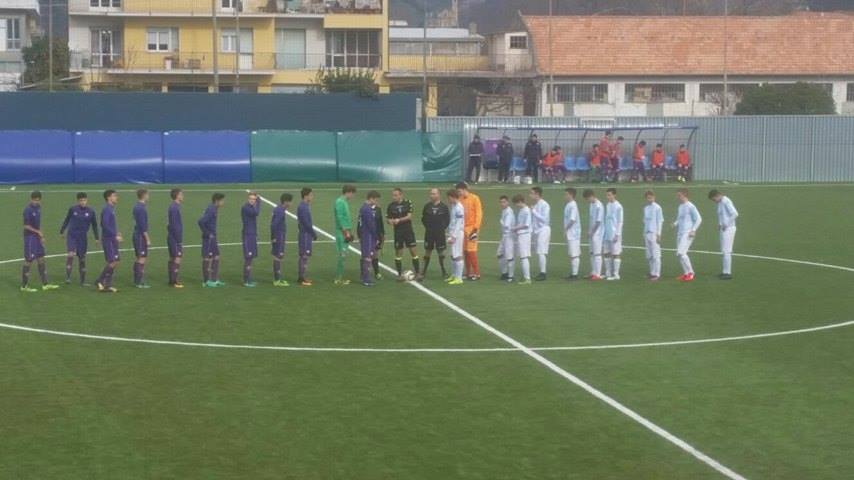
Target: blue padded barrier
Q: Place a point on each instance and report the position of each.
(36, 156)
(207, 157)
(118, 157)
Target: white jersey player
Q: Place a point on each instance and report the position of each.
(523, 229)
(507, 244)
(613, 245)
(687, 223)
(653, 221)
(542, 229)
(456, 237)
(572, 231)
(726, 225)
(595, 234)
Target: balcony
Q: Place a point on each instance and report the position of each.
(201, 63)
(462, 65)
(202, 8)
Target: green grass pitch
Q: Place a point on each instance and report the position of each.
(767, 408)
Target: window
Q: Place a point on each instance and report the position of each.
(229, 41)
(162, 40)
(229, 5)
(655, 93)
(580, 93)
(850, 96)
(353, 48)
(518, 42)
(105, 3)
(714, 92)
(10, 34)
(290, 49)
(106, 46)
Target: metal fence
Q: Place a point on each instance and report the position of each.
(742, 149)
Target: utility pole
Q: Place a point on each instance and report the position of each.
(425, 90)
(215, 47)
(237, 6)
(50, 45)
(551, 63)
(726, 54)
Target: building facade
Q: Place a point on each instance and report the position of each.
(675, 66)
(257, 45)
(18, 25)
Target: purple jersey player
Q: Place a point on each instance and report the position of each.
(110, 238)
(249, 216)
(368, 235)
(175, 237)
(210, 247)
(306, 234)
(80, 218)
(141, 238)
(34, 244)
(278, 233)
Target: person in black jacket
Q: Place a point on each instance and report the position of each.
(533, 155)
(475, 159)
(435, 217)
(505, 158)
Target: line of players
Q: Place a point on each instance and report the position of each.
(455, 225)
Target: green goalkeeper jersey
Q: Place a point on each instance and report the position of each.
(342, 215)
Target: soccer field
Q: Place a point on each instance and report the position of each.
(751, 378)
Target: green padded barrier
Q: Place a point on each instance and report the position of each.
(293, 156)
(379, 157)
(443, 157)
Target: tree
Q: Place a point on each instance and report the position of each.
(36, 59)
(361, 81)
(791, 99)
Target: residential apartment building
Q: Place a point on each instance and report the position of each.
(18, 24)
(261, 45)
(675, 66)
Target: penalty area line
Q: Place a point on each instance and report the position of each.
(643, 421)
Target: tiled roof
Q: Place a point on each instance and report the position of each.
(799, 44)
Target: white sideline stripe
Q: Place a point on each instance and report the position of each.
(563, 373)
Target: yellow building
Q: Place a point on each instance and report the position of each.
(193, 45)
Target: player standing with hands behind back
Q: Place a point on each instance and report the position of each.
(210, 246)
(34, 244)
(399, 214)
(726, 224)
(435, 217)
(687, 223)
(249, 215)
(456, 236)
(343, 231)
(141, 238)
(110, 239)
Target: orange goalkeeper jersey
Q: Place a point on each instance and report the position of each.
(474, 212)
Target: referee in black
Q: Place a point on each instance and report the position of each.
(399, 215)
(435, 217)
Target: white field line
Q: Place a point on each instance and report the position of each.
(722, 469)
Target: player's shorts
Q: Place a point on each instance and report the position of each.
(507, 247)
(727, 239)
(79, 244)
(250, 246)
(210, 247)
(140, 246)
(176, 249)
(683, 244)
(33, 248)
(611, 247)
(435, 241)
(573, 247)
(305, 244)
(596, 242)
(523, 245)
(469, 245)
(340, 244)
(111, 249)
(542, 241)
(653, 248)
(457, 248)
(404, 238)
(277, 247)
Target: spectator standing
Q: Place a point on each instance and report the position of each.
(505, 158)
(475, 159)
(533, 155)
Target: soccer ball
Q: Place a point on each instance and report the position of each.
(409, 275)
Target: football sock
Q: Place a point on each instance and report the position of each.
(303, 263)
(206, 270)
(727, 270)
(215, 269)
(426, 264)
(43, 273)
(686, 264)
(526, 268)
(609, 266)
(543, 262)
(339, 266)
(442, 265)
(366, 270)
(81, 266)
(398, 265)
(511, 267)
(69, 266)
(617, 263)
(247, 270)
(502, 265)
(575, 263)
(475, 268)
(459, 265)
(416, 265)
(137, 276)
(376, 264)
(277, 269)
(170, 269)
(25, 275)
(597, 265)
(656, 266)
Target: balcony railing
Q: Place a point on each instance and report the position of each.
(202, 62)
(203, 7)
(462, 63)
